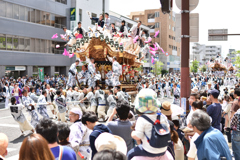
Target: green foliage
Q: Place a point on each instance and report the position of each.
(203, 68)
(139, 69)
(194, 66)
(157, 68)
(164, 71)
(237, 63)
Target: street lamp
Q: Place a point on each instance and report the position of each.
(111, 42)
(86, 38)
(121, 48)
(101, 37)
(107, 39)
(116, 45)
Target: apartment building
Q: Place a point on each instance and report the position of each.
(26, 30)
(165, 23)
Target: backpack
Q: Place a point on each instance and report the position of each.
(160, 135)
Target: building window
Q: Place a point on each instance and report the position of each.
(157, 25)
(169, 26)
(173, 28)
(9, 13)
(32, 12)
(15, 43)
(62, 1)
(80, 15)
(22, 13)
(170, 46)
(15, 11)
(156, 14)
(9, 42)
(151, 16)
(3, 8)
(94, 16)
(173, 18)
(170, 36)
(21, 44)
(2, 41)
(136, 19)
(169, 16)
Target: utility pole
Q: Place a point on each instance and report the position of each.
(185, 78)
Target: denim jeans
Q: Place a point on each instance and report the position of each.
(236, 144)
(228, 133)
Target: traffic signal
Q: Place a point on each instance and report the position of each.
(166, 6)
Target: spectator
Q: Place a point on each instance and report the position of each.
(122, 127)
(79, 134)
(235, 105)
(166, 109)
(176, 127)
(90, 119)
(35, 147)
(215, 109)
(48, 129)
(146, 104)
(235, 125)
(211, 141)
(177, 146)
(109, 155)
(63, 138)
(227, 115)
(3, 145)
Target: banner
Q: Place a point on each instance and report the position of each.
(41, 74)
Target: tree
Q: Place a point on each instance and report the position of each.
(194, 66)
(237, 63)
(203, 68)
(157, 67)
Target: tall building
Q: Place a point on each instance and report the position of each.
(231, 55)
(117, 19)
(204, 53)
(26, 28)
(165, 23)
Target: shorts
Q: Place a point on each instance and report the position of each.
(61, 116)
(25, 126)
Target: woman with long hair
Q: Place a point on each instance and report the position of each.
(35, 147)
(227, 116)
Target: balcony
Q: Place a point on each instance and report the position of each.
(152, 20)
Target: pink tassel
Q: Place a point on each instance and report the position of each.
(79, 36)
(152, 60)
(71, 55)
(55, 36)
(65, 53)
(135, 39)
(156, 33)
(149, 40)
(153, 52)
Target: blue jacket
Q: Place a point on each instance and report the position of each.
(211, 145)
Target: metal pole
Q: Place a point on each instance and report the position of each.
(185, 78)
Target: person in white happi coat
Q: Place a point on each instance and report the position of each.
(107, 23)
(33, 95)
(72, 74)
(76, 98)
(168, 90)
(69, 99)
(79, 134)
(42, 105)
(16, 112)
(116, 67)
(61, 105)
(108, 79)
(30, 105)
(91, 98)
(49, 99)
(176, 94)
(112, 103)
(92, 72)
(82, 105)
(84, 74)
(134, 31)
(6, 94)
(69, 37)
(100, 96)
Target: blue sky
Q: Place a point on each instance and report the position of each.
(213, 14)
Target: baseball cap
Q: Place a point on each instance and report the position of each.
(107, 141)
(77, 111)
(214, 92)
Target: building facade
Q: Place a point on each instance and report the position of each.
(165, 23)
(26, 30)
(231, 55)
(203, 53)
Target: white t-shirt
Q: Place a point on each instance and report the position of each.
(143, 126)
(189, 117)
(192, 153)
